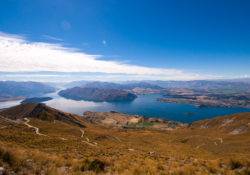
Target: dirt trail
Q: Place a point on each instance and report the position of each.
(63, 139)
(87, 141)
(215, 143)
(83, 132)
(197, 147)
(221, 140)
(30, 126)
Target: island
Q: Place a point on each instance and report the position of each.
(97, 94)
(36, 100)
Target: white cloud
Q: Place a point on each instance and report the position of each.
(18, 54)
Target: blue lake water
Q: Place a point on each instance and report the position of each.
(146, 105)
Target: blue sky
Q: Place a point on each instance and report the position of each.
(195, 39)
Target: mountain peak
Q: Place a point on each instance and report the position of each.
(40, 111)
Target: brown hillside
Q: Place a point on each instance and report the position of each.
(40, 111)
(205, 147)
(233, 124)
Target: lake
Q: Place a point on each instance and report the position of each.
(145, 105)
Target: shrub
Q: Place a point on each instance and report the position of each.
(8, 157)
(95, 165)
(235, 164)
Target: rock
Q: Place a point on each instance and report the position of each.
(239, 130)
(2, 170)
(135, 120)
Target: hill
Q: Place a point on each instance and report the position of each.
(236, 86)
(234, 124)
(96, 94)
(133, 87)
(105, 146)
(39, 111)
(36, 100)
(18, 90)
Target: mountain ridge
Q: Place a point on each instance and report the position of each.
(39, 111)
(96, 94)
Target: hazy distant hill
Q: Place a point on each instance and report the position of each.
(235, 85)
(12, 89)
(97, 94)
(111, 85)
(205, 84)
(76, 84)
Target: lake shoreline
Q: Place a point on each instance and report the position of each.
(145, 105)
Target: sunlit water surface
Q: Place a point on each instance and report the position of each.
(146, 105)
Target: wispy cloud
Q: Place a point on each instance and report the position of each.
(49, 37)
(18, 54)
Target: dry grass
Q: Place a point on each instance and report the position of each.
(183, 151)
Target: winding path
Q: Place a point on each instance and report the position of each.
(83, 132)
(30, 126)
(221, 140)
(87, 141)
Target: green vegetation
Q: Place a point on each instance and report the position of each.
(143, 124)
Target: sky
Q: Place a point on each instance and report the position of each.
(64, 40)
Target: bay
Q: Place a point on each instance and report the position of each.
(145, 105)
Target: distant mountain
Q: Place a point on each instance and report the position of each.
(133, 87)
(111, 85)
(97, 94)
(103, 85)
(143, 85)
(76, 84)
(39, 111)
(12, 89)
(205, 84)
(236, 85)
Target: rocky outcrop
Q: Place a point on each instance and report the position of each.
(120, 120)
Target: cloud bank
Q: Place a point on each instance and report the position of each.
(18, 54)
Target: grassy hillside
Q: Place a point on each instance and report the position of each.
(205, 147)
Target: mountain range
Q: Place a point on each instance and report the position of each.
(19, 90)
